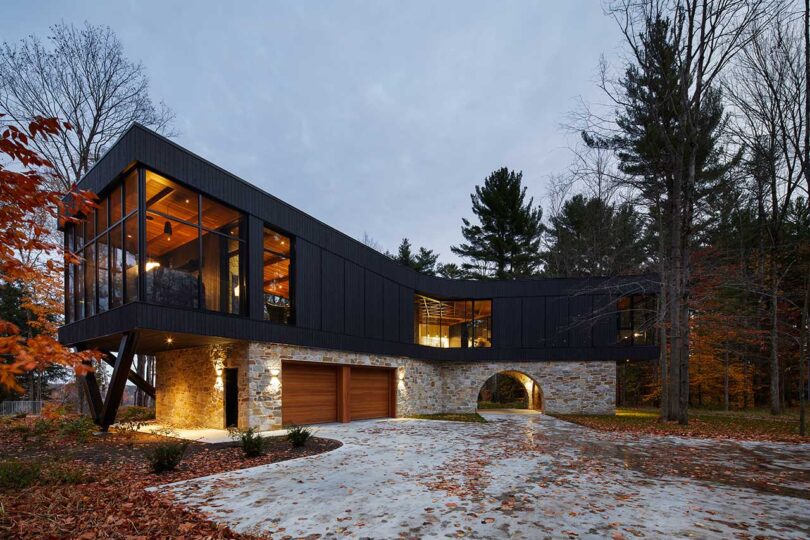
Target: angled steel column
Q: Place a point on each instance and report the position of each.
(91, 390)
(118, 381)
(135, 379)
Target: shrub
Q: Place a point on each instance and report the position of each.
(165, 456)
(65, 473)
(16, 474)
(251, 442)
(135, 413)
(298, 435)
(20, 415)
(80, 428)
(52, 411)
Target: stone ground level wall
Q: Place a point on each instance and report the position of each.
(190, 393)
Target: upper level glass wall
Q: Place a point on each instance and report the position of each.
(107, 244)
(637, 319)
(277, 282)
(195, 250)
(452, 323)
(194, 255)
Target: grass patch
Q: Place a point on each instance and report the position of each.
(452, 417)
(484, 405)
(703, 423)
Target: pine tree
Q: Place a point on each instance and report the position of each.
(590, 237)
(424, 261)
(505, 244)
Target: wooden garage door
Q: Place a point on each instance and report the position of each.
(370, 393)
(309, 393)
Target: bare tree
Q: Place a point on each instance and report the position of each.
(708, 34)
(768, 91)
(81, 77)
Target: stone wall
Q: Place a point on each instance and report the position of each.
(189, 385)
(418, 386)
(190, 393)
(566, 387)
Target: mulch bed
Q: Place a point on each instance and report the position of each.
(112, 502)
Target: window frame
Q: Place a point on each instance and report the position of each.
(291, 320)
(469, 322)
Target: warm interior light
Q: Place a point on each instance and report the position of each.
(169, 340)
(151, 265)
(236, 291)
(167, 230)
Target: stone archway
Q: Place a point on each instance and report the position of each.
(518, 387)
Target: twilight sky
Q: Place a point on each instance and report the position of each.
(375, 117)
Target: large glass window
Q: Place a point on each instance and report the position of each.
(97, 283)
(195, 253)
(637, 319)
(276, 277)
(452, 323)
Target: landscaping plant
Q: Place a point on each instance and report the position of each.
(166, 456)
(298, 435)
(251, 442)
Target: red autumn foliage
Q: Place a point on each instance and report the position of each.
(30, 252)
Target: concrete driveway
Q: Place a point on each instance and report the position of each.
(518, 476)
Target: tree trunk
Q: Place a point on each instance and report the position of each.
(776, 401)
(725, 379)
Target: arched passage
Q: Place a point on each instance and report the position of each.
(510, 389)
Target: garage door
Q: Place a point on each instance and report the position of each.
(309, 393)
(370, 393)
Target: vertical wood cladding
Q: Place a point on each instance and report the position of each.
(349, 296)
(374, 305)
(355, 300)
(333, 292)
(307, 292)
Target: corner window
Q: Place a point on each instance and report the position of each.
(452, 323)
(636, 319)
(195, 252)
(97, 283)
(277, 278)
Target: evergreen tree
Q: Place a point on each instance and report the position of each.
(424, 261)
(593, 238)
(505, 244)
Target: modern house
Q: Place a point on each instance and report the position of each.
(260, 315)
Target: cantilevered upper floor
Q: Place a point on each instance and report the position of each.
(188, 254)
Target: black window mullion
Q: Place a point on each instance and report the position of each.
(141, 234)
(200, 298)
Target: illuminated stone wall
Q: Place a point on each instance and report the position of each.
(189, 385)
(190, 393)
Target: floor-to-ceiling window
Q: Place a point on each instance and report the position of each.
(277, 282)
(194, 249)
(452, 323)
(637, 319)
(101, 280)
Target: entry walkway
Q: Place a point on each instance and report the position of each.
(210, 436)
(517, 476)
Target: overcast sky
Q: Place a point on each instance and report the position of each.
(375, 117)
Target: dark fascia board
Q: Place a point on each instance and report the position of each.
(142, 145)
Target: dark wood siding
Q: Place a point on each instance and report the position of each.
(506, 323)
(349, 296)
(355, 300)
(391, 310)
(333, 293)
(307, 284)
(374, 305)
(534, 322)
